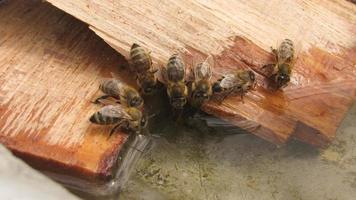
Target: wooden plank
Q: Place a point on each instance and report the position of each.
(239, 35)
(51, 65)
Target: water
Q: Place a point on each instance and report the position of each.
(213, 160)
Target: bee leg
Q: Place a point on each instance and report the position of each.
(242, 97)
(113, 130)
(130, 66)
(274, 51)
(254, 86)
(97, 101)
(223, 98)
(154, 71)
(225, 95)
(271, 70)
(118, 101)
(268, 66)
(179, 116)
(188, 82)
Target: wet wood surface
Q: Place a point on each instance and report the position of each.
(239, 34)
(51, 64)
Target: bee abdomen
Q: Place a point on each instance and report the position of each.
(175, 69)
(110, 87)
(286, 50)
(98, 118)
(140, 58)
(287, 45)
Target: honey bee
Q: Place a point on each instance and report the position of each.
(201, 89)
(141, 64)
(126, 118)
(174, 73)
(126, 95)
(282, 69)
(239, 82)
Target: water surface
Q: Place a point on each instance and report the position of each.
(213, 161)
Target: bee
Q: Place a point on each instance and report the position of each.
(282, 69)
(126, 118)
(201, 89)
(141, 64)
(239, 82)
(125, 94)
(174, 74)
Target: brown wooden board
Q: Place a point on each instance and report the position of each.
(50, 65)
(239, 34)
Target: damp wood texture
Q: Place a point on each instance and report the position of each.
(50, 66)
(239, 35)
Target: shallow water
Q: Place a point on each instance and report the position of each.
(198, 162)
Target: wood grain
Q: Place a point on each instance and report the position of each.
(239, 35)
(51, 64)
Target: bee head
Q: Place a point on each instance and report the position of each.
(148, 90)
(143, 122)
(136, 101)
(216, 87)
(178, 102)
(282, 79)
(201, 95)
(201, 92)
(252, 76)
(148, 83)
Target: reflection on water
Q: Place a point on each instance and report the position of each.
(206, 158)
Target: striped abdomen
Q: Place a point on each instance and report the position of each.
(99, 118)
(110, 87)
(286, 51)
(140, 59)
(175, 69)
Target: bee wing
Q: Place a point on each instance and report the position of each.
(298, 47)
(189, 70)
(164, 73)
(115, 76)
(190, 77)
(229, 81)
(176, 68)
(204, 69)
(120, 83)
(116, 111)
(287, 53)
(211, 62)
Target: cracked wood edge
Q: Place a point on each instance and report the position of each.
(322, 30)
(51, 65)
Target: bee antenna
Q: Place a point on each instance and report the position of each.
(151, 116)
(134, 45)
(114, 75)
(122, 96)
(154, 71)
(136, 149)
